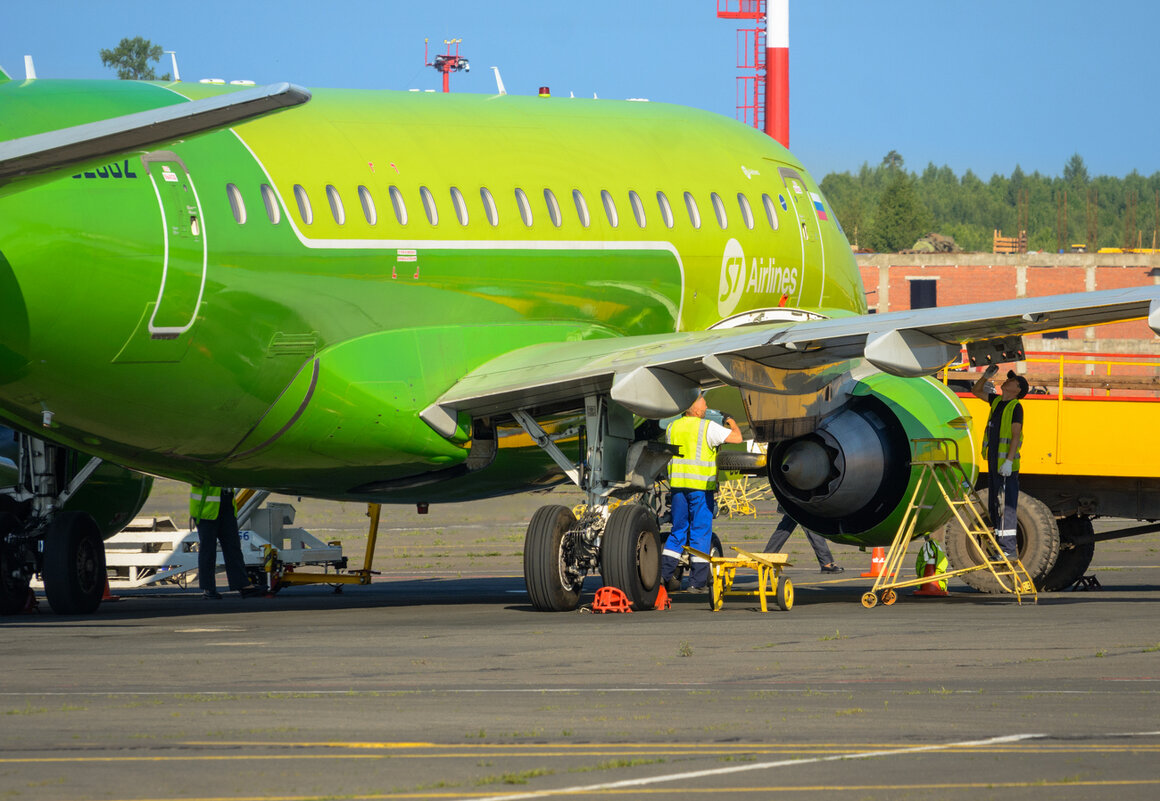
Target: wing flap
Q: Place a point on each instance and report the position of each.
(52, 150)
(557, 376)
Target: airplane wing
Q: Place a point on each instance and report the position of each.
(52, 150)
(657, 376)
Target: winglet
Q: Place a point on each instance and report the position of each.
(53, 150)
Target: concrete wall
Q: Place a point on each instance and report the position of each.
(981, 277)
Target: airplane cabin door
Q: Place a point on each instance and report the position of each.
(803, 208)
(184, 262)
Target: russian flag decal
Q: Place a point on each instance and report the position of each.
(819, 208)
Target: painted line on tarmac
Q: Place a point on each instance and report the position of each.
(712, 772)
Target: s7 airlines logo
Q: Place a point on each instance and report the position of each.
(759, 278)
(732, 278)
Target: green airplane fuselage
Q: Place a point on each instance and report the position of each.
(183, 312)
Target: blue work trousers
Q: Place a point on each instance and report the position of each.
(692, 526)
(1006, 521)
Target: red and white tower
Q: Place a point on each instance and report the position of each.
(763, 58)
(777, 70)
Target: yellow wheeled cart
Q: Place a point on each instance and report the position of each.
(722, 570)
(938, 462)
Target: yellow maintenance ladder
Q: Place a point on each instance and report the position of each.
(939, 465)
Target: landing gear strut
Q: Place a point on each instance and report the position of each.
(624, 544)
(66, 548)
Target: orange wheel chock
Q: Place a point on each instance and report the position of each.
(610, 599)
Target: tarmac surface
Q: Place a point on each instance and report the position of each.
(439, 681)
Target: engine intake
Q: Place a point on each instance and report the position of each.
(846, 476)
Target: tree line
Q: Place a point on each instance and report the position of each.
(888, 208)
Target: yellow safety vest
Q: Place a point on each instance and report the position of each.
(1004, 432)
(931, 553)
(696, 467)
(205, 502)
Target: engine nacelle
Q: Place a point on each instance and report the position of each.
(851, 478)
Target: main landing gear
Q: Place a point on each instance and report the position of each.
(36, 536)
(624, 544)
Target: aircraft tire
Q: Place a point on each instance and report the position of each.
(630, 556)
(544, 577)
(74, 564)
(1038, 538)
(1074, 557)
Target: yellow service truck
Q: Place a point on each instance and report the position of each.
(1091, 435)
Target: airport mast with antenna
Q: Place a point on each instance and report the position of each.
(763, 58)
(448, 62)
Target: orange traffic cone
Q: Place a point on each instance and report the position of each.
(610, 599)
(933, 588)
(108, 596)
(877, 563)
(663, 602)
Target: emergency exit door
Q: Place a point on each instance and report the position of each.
(184, 258)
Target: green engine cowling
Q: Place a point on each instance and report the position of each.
(851, 478)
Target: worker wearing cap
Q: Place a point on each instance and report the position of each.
(693, 478)
(1001, 442)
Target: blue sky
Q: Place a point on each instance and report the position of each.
(983, 85)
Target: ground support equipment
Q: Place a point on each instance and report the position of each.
(740, 497)
(941, 474)
(723, 570)
(154, 550)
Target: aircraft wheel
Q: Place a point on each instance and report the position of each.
(1038, 544)
(630, 556)
(784, 594)
(1074, 557)
(74, 564)
(545, 546)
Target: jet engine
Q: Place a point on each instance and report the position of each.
(851, 477)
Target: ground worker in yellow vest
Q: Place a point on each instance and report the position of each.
(693, 478)
(1001, 442)
(212, 510)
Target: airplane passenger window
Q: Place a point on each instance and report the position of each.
(694, 211)
(237, 205)
(336, 208)
(746, 211)
(429, 205)
(400, 206)
(488, 206)
(460, 206)
(719, 210)
(368, 205)
(271, 202)
(304, 209)
(770, 210)
(553, 208)
(525, 207)
(610, 208)
(637, 208)
(666, 209)
(581, 207)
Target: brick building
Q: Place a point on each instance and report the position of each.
(895, 282)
